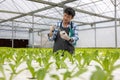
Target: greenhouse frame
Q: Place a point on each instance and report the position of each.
(97, 20)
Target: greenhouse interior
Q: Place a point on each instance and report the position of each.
(26, 53)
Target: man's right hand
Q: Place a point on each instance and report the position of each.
(51, 30)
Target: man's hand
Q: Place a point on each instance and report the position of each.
(51, 30)
(64, 35)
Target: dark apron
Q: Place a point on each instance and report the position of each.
(61, 44)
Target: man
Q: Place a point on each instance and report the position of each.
(65, 34)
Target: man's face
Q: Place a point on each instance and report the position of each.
(67, 18)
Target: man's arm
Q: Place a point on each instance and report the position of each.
(52, 34)
(75, 36)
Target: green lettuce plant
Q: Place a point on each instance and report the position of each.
(99, 74)
(71, 74)
(55, 77)
(41, 73)
(15, 61)
(2, 72)
(59, 59)
(83, 58)
(31, 69)
(107, 62)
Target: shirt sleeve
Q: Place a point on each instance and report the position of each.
(52, 38)
(75, 36)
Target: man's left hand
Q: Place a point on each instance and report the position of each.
(64, 35)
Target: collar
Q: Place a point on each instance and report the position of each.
(67, 25)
